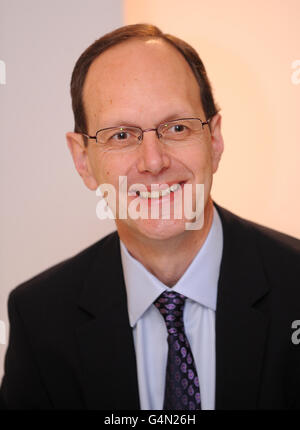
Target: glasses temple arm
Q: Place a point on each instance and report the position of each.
(88, 136)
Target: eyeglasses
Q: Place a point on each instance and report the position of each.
(175, 132)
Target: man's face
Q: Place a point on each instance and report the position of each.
(144, 83)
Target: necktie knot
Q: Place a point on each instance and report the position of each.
(171, 304)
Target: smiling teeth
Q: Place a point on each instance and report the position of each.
(157, 194)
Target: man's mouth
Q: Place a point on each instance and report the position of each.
(156, 194)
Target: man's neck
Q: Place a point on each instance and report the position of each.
(168, 260)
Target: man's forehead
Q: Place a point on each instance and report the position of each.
(134, 48)
(133, 60)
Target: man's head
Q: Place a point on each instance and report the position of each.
(137, 76)
(126, 33)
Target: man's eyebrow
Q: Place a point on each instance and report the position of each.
(178, 115)
(121, 122)
(171, 117)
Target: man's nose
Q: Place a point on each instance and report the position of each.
(153, 157)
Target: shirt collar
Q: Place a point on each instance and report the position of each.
(199, 282)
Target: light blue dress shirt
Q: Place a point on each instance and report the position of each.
(199, 284)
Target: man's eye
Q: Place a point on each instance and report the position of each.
(121, 136)
(177, 128)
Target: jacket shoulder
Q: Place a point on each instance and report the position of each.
(279, 252)
(267, 236)
(65, 277)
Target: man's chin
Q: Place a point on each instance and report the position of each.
(154, 229)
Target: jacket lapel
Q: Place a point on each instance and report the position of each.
(105, 339)
(241, 317)
(109, 375)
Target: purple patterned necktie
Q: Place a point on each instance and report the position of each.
(182, 384)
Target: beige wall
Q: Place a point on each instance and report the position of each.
(248, 48)
(46, 213)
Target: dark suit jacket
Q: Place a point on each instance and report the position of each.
(71, 345)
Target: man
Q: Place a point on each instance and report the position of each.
(157, 315)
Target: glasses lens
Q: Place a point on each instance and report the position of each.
(119, 137)
(182, 130)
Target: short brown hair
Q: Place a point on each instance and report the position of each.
(122, 34)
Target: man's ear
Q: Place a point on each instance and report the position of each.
(80, 157)
(216, 141)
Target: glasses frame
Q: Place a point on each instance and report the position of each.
(146, 129)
